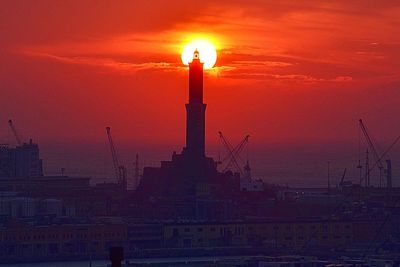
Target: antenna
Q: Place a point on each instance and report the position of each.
(329, 177)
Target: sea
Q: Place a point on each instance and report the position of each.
(304, 165)
(61, 264)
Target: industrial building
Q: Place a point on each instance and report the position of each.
(62, 240)
(20, 161)
(24, 242)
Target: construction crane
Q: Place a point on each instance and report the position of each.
(388, 162)
(233, 152)
(120, 170)
(14, 131)
(374, 153)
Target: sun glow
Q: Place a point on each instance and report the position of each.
(207, 52)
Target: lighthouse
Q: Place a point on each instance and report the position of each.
(195, 111)
(189, 185)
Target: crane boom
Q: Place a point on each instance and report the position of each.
(344, 175)
(114, 155)
(233, 152)
(230, 151)
(14, 131)
(371, 144)
(237, 150)
(386, 151)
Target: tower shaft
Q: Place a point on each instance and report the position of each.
(195, 110)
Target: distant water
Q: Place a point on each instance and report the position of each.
(60, 264)
(296, 165)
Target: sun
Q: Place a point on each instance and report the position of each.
(207, 52)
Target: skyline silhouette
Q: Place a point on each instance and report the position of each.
(194, 132)
(285, 68)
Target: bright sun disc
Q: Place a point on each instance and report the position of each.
(207, 53)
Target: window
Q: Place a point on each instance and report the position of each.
(187, 242)
(175, 232)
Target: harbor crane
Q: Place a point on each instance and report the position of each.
(388, 171)
(14, 131)
(120, 170)
(379, 158)
(373, 150)
(233, 153)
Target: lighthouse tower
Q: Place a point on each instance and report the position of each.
(195, 111)
(189, 185)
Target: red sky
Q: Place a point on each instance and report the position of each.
(287, 71)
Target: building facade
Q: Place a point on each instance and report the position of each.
(59, 242)
(21, 161)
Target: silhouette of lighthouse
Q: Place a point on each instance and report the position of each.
(195, 110)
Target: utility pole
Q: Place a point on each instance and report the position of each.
(367, 169)
(359, 167)
(137, 172)
(329, 177)
(389, 174)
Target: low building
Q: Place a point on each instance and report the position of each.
(144, 236)
(275, 234)
(59, 242)
(45, 184)
(205, 234)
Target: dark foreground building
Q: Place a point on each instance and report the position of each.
(189, 186)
